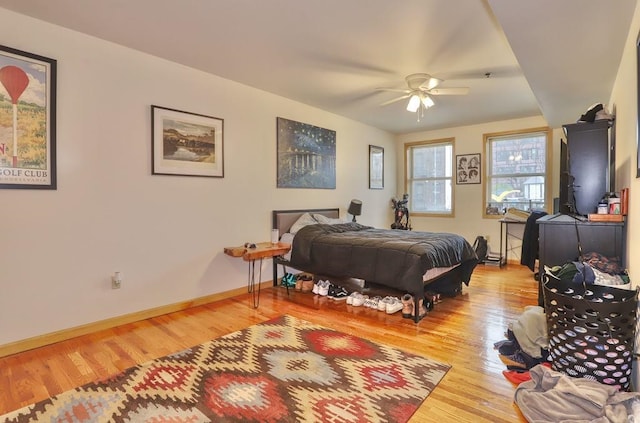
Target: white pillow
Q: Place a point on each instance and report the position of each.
(328, 220)
(304, 220)
(287, 238)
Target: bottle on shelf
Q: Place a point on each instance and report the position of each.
(603, 204)
(614, 203)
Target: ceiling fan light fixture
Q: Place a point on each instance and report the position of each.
(431, 83)
(427, 101)
(420, 89)
(414, 103)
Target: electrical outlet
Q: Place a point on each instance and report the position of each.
(116, 281)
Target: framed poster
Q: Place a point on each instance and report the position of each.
(186, 144)
(376, 167)
(306, 155)
(27, 120)
(468, 169)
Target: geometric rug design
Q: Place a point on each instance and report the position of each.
(282, 370)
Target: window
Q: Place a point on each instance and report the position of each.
(429, 177)
(517, 171)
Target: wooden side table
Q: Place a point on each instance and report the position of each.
(261, 251)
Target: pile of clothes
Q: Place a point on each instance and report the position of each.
(552, 397)
(526, 344)
(594, 268)
(544, 395)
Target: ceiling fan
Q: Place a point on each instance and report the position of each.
(421, 86)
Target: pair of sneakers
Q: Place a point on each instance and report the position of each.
(372, 302)
(356, 299)
(289, 280)
(321, 288)
(390, 305)
(337, 293)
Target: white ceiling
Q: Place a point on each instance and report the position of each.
(545, 56)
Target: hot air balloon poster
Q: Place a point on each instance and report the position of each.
(27, 120)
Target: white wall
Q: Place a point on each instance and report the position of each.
(624, 99)
(58, 249)
(468, 220)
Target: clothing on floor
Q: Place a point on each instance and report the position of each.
(507, 346)
(513, 361)
(518, 376)
(530, 329)
(512, 355)
(520, 360)
(527, 343)
(552, 397)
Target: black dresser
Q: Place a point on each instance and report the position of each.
(558, 240)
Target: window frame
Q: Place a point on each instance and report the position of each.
(408, 165)
(487, 178)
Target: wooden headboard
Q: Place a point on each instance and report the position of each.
(284, 219)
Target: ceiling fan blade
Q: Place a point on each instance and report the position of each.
(430, 83)
(449, 91)
(394, 90)
(395, 99)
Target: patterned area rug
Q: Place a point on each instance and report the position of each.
(283, 370)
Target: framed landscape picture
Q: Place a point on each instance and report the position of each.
(468, 169)
(306, 155)
(27, 120)
(186, 144)
(376, 167)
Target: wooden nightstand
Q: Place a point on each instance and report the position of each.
(261, 251)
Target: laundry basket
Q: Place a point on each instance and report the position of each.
(591, 330)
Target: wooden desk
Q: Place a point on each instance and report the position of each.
(261, 251)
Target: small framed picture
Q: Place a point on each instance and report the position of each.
(468, 169)
(376, 167)
(186, 144)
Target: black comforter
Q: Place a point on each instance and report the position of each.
(393, 258)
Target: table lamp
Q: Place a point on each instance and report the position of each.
(355, 209)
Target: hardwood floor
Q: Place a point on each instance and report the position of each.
(460, 331)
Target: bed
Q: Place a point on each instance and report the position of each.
(406, 261)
